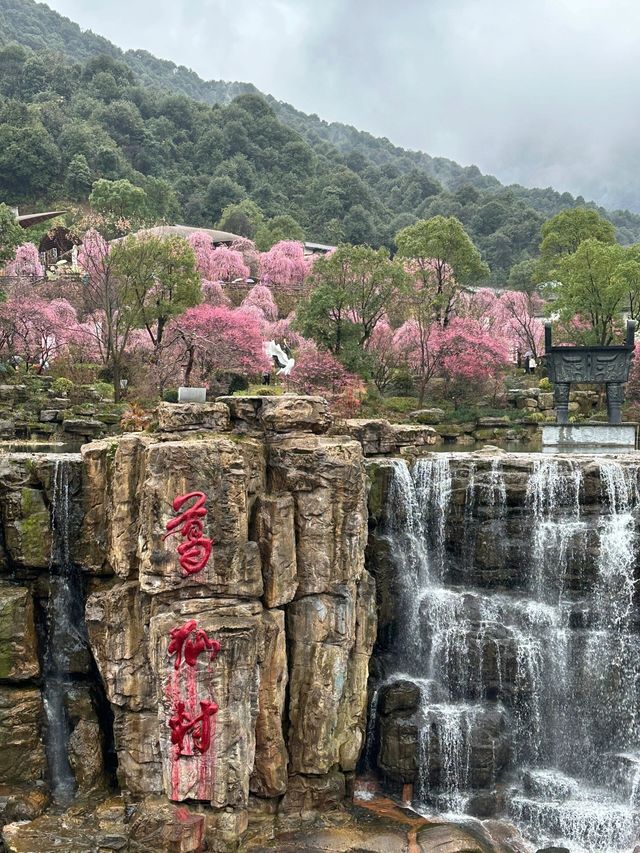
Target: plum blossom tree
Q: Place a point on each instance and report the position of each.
(213, 294)
(385, 356)
(284, 265)
(317, 371)
(217, 263)
(260, 297)
(26, 262)
(107, 305)
(36, 330)
(463, 350)
(206, 339)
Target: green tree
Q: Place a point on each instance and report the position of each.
(120, 199)
(79, 180)
(160, 280)
(445, 260)
(628, 275)
(524, 276)
(592, 288)
(354, 288)
(11, 234)
(244, 218)
(278, 228)
(562, 235)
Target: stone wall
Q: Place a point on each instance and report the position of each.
(268, 643)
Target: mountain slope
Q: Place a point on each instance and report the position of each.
(348, 184)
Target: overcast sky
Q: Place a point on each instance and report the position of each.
(542, 92)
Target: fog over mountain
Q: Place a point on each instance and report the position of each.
(538, 91)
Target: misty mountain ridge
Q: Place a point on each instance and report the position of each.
(39, 27)
(337, 182)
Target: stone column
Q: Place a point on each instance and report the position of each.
(615, 399)
(561, 398)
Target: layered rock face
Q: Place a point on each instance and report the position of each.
(229, 614)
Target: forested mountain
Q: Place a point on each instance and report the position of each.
(75, 108)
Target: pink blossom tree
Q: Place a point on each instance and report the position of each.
(317, 371)
(26, 262)
(213, 294)
(284, 265)
(463, 350)
(217, 263)
(260, 297)
(206, 339)
(35, 330)
(385, 355)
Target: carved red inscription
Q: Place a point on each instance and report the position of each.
(195, 551)
(198, 728)
(188, 643)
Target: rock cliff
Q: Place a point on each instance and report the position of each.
(228, 615)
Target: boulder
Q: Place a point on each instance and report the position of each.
(118, 626)
(374, 434)
(313, 794)
(27, 527)
(138, 748)
(413, 435)
(86, 427)
(269, 776)
(284, 413)
(449, 838)
(494, 422)
(330, 641)
(113, 470)
(22, 803)
(18, 644)
(178, 417)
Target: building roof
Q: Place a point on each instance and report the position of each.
(26, 220)
(318, 247)
(186, 231)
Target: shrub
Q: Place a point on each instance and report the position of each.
(62, 387)
(545, 384)
(170, 395)
(105, 389)
(401, 404)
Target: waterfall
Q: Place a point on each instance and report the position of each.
(521, 633)
(64, 637)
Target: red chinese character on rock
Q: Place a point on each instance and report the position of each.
(199, 728)
(189, 642)
(195, 551)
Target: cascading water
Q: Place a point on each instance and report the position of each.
(64, 637)
(520, 634)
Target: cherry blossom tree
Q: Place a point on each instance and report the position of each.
(284, 265)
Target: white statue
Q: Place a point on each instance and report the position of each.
(285, 361)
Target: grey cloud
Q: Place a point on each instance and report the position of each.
(535, 91)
